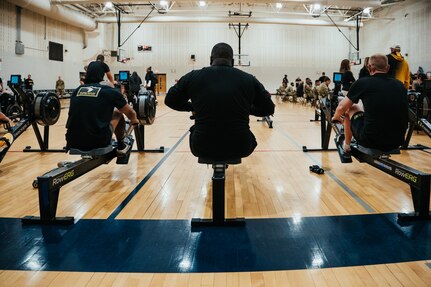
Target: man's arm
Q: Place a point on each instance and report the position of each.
(262, 105)
(110, 77)
(177, 97)
(130, 114)
(342, 108)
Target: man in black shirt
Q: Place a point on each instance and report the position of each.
(96, 111)
(135, 83)
(96, 71)
(381, 122)
(321, 79)
(221, 98)
(151, 81)
(28, 83)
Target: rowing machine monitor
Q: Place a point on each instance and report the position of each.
(124, 77)
(337, 78)
(15, 79)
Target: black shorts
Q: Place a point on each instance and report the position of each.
(357, 126)
(221, 146)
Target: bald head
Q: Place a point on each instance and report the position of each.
(378, 63)
(222, 53)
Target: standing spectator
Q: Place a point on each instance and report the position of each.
(135, 83)
(59, 87)
(1, 86)
(308, 90)
(429, 75)
(348, 78)
(151, 81)
(399, 68)
(321, 79)
(96, 71)
(315, 93)
(285, 80)
(364, 70)
(324, 88)
(28, 83)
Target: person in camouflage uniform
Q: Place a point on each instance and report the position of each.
(291, 93)
(282, 91)
(308, 90)
(315, 92)
(324, 88)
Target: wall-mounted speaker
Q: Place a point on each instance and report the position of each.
(192, 57)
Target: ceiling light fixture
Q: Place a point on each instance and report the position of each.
(109, 5)
(164, 3)
(367, 12)
(202, 3)
(278, 5)
(316, 10)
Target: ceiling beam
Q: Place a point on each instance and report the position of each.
(350, 3)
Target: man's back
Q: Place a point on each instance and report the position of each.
(90, 114)
(222, 99)
(96, 72)
(385, 110)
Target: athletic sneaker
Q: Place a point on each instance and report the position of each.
(344, 153)
(123, 146)
(5, 141)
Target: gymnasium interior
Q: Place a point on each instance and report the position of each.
(292, 213)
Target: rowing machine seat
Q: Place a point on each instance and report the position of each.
(215, 161)
(375, 153)
(93, 152)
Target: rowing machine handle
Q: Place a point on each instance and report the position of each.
(130, 129)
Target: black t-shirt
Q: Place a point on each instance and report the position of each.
(150, 76)
(222, 98)
(135, 83)
(385, 110)
(28, 84)
(90, 115)
(96, 72)
(364, 72)
(348, 80)
(321, 79)
(393, 63)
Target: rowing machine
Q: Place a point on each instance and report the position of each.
(418, 181)
(49, 184)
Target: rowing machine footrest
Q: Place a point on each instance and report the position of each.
(339, 144)
(124, 159)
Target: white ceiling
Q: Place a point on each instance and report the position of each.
(291, 12)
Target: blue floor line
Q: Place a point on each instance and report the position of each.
(144, 181)
(367, 207)
(170, 246)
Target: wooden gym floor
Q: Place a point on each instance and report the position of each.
(273, 189)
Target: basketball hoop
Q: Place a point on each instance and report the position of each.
(241, 60)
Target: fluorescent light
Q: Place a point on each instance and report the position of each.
(316, 6)
(367, 10)
(202, 3)
(164, 3)
(109, 5)
(278, 5)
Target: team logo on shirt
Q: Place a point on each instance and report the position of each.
(88, 92)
